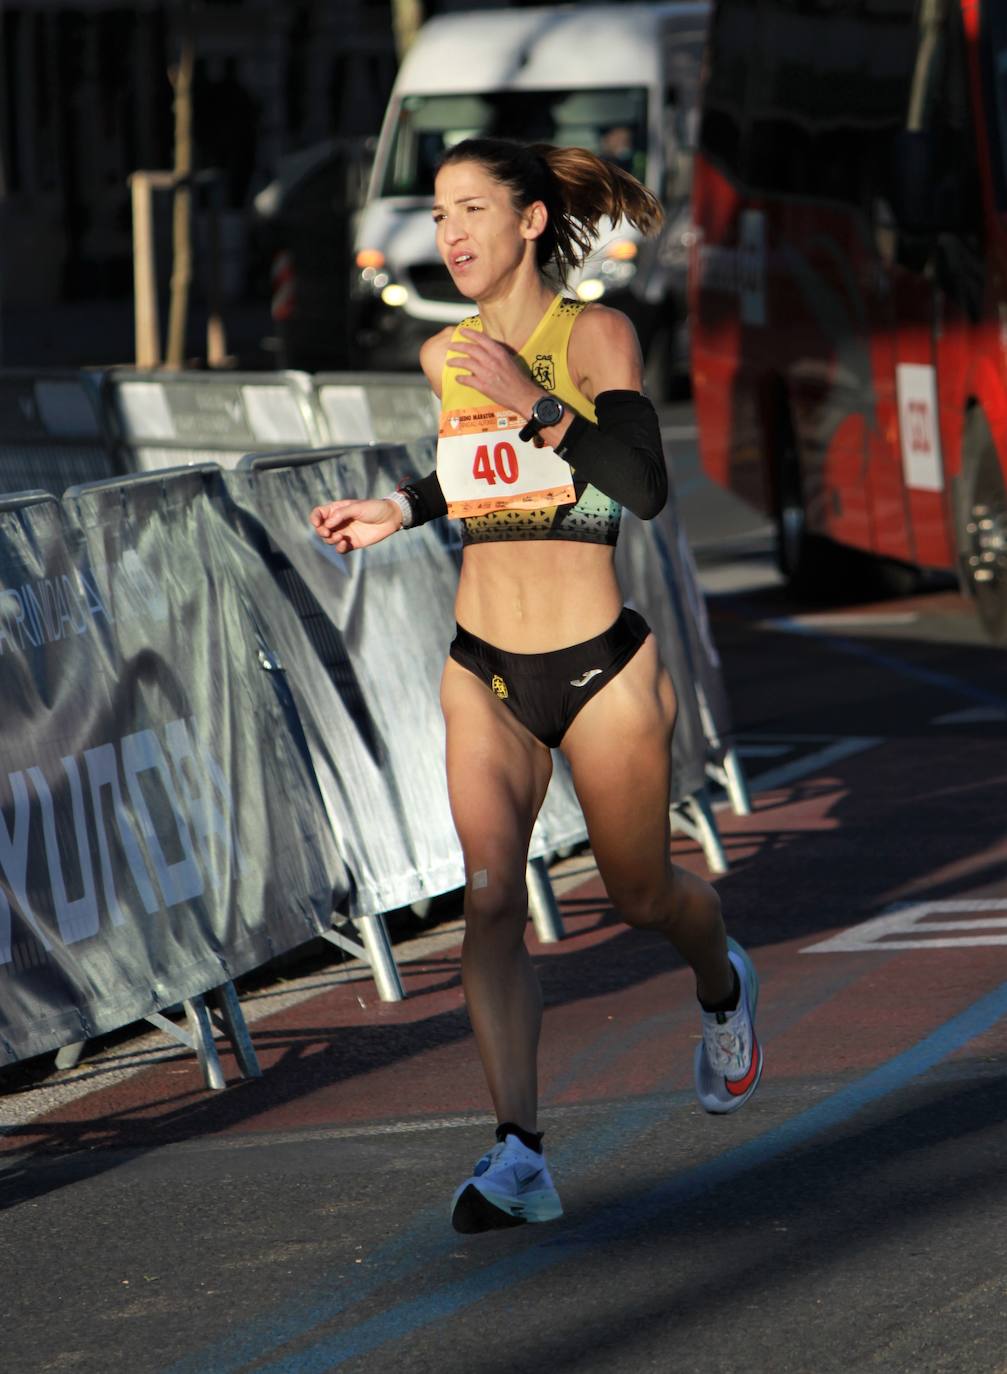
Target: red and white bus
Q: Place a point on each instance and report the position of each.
(848, 281)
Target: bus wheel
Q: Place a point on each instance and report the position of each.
(983, 539)
(807, 561)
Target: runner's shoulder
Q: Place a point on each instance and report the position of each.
(433, 354)
(604, 325)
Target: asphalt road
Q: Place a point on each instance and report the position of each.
(849, 1218)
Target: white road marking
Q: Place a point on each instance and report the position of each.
(813, 763)
(910, 920)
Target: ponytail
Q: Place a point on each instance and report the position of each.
(591, 189)
(578, 189)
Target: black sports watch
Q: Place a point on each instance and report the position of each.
(545, 412)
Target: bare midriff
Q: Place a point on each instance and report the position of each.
(533, 596)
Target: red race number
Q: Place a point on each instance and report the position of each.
(504, 465)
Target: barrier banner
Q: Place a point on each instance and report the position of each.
(708, 678)
(381, 621)
(161, 830)
(650, 575)
(51, 435)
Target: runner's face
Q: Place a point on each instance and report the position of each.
(480, 236)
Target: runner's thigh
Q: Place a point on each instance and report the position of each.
(619, 750)
(497, 773)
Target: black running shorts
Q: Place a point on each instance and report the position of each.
(545, 691)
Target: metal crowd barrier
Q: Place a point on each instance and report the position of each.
(375, 407)
(60, 429)
(217, 1009)
(60, 571)
(159, 418)
(51, 433)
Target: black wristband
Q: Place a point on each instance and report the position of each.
(425, 499)
(576, 429)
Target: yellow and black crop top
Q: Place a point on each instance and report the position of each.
(611, 454)
(594, 517)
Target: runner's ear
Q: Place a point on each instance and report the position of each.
(534, 218)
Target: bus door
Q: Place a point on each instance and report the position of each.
(904, 443)
(936, 284)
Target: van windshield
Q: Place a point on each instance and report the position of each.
(611, 122)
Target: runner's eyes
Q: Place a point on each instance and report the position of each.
(439, 215)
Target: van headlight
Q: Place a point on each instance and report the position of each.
(591, 289)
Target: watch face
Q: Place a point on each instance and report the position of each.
(548, 411)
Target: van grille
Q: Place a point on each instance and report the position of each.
(432, 281)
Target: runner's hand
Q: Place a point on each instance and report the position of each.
(490, 368)
(348, 525)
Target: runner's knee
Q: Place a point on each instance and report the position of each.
(496, 905)
(646, 909)
(681, 897)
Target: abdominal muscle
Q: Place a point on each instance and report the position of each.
(530, 597)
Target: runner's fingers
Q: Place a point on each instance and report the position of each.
(332, 518)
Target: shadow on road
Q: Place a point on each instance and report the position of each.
(921, 814)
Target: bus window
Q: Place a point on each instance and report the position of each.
(936, 168)
(828, 97)
(996, 65)
(731, 46)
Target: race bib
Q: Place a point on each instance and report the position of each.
(483, 466)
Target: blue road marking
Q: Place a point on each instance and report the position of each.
(916, 671)
(404, 1319)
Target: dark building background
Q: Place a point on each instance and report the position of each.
(87, 100)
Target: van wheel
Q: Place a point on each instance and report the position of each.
(657, 367)
(982, 534)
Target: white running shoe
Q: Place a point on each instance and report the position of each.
(728, 1062)
(509, 1186)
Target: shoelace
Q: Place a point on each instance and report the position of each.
(496, 1156)
(727, 1047)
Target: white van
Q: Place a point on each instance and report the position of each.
(621, 80)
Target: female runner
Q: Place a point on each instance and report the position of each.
(545, 435)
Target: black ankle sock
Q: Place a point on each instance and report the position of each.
(729, 1003)
(533, 1139)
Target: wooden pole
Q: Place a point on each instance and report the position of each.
(216, 335)
(181, 235)
(146, 326)
(407, 17)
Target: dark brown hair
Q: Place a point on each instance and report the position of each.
(577, 188)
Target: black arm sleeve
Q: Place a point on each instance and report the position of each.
(426, 498)
(621, 455)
